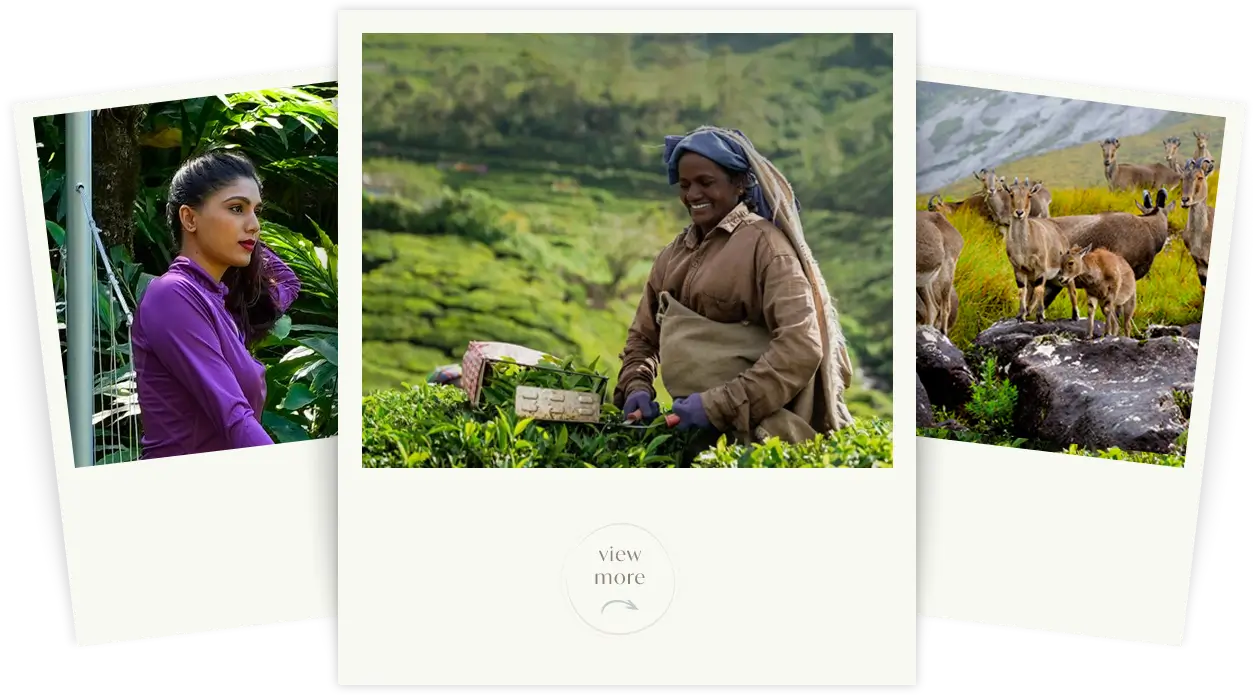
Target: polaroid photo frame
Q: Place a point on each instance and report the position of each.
(179, 543)
(478, 576)
(1088, 535)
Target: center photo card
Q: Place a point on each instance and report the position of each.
(630, 326)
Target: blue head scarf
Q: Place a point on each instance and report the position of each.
(722, 150)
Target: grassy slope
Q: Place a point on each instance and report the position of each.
(1081, 166)
(430, 295)
(1169, 294)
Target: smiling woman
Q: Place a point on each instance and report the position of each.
(200, 389)
(735, 313)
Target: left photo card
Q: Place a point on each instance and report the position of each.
(183, 246)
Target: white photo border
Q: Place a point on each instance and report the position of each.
(383, 591)
(187, 543)
(1062, 542)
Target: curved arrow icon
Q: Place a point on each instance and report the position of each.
(631, 606)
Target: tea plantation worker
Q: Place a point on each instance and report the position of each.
(446, 375)
(735, 313)
(200, 389)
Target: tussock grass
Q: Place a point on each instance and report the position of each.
(1170, 294)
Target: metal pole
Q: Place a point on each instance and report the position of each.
(80, 287)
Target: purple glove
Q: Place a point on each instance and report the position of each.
(691, 412)
(640, 400)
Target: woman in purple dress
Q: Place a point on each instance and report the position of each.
(200, 389)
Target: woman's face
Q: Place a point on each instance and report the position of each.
(706, 190)
(225, 228)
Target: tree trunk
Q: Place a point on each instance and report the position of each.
(116, 173)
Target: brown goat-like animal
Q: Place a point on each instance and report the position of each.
(1172, 157)
(944, 286)
(1201, 145)
(1136, 238)
(1108, 280)
(976, 201)
(1000, 202)
(1034, 248)
(1197, 234)
(929, 260)
(938, 245)
(1125, 176)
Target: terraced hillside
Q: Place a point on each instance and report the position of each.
(514, 188)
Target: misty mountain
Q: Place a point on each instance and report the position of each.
(960, 130)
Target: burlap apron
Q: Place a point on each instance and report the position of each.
(696, 354)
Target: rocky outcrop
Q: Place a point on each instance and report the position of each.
(941, 368)
(1005, 339)
(924, 409)
(1190, 331)
(1134, 394)
(1105, 392)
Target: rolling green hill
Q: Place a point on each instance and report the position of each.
(1081, 166)
(515, 189)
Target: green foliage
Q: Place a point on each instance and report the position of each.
(1173, 460)
(987, 417)
(597, 100)
(865, 444)
(468, 213)
(433, 426)
(993, 402)
(301, 354)
(290, 134)
(1183, 400)
(561, 135)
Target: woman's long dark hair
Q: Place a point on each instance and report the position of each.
(248, 297)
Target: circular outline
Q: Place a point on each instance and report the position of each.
(567, 587)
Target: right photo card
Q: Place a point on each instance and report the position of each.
(1071, 247)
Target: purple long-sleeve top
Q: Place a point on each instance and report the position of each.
(199, 387)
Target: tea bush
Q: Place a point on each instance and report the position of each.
(435, 426)
(567, 275)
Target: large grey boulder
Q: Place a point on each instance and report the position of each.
(941, 368)
(1006, 338)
